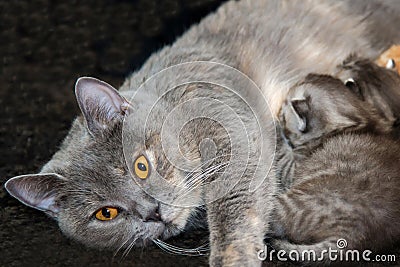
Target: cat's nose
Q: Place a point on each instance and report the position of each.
(153, 216)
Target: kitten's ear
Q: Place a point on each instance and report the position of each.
(38, 191)
(296, 117)
(100, 103)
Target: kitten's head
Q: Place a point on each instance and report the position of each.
(322, 106)
(375, 85)
(95, 192)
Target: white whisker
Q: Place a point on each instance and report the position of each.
(200, 179)
(129, 248)
(199, 251)
(123, 244)
(199, 168)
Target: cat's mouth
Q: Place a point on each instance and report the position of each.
(168, 220)
(152, 231)
(159, 230)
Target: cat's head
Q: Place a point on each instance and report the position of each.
(94, 190)
(378, 86)
(322, 106)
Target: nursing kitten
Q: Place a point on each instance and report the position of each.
(316, 109)
(345, 179)
(87, 185)
(370, 103)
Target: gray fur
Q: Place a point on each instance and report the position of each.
(327, 108)
(347, 189)
(323, 106)
(275, 43)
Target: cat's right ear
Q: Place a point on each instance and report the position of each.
(37, 191)
(100, 103)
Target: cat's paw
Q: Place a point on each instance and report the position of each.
(235, 254)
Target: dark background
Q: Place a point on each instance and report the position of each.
(44, 47)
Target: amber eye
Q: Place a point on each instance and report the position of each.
(106, 213)
(141, 167)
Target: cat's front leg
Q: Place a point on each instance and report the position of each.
(236, 232)
(238, 206)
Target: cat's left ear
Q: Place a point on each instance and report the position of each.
(38, 191)
(296, 115)
(100, 103)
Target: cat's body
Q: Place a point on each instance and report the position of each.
(344, 177)
(276, 43)
(91, 190)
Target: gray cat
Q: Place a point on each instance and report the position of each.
(344, 179)
(96, 187)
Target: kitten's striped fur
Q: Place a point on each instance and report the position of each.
(346, 183)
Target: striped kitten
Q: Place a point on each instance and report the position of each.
(316, 109)
(341, 166)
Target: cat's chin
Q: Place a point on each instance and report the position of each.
(158, 231)
(155, 229)
(170, 230)
(162, 230)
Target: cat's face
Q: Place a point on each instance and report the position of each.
(96, 188)
(322, 106)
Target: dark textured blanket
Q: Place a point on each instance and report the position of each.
(44, 47)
